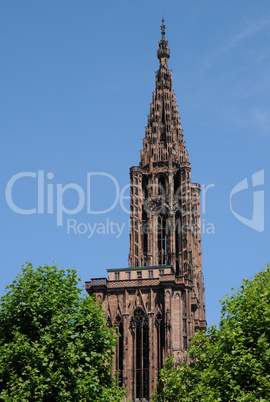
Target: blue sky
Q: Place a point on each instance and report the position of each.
(76, 83)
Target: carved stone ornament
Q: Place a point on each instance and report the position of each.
(118, 320)
(158, 320)
(156, 205)
(139, 319)
(177, 205)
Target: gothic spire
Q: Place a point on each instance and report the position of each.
(163, 142)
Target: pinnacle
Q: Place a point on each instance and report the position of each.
(163, 52)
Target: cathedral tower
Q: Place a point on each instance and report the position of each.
(157, 303)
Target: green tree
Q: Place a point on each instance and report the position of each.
(54, 344)
(232, 363)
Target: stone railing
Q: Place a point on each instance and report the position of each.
(96, 282)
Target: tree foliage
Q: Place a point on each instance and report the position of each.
(54, 344)
(232, 363)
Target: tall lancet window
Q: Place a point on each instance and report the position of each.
(177, 242)
(140, 331)
(160, 339)
(178, 206)
(162, 186)
(119, 348)
(145, 236)
(162, 241)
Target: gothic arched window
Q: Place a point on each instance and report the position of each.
(145, 186)
(140, 331)
(177, 191)
(177, 241)
(162, 240)
(118, 323)
(160, 339)
(162, 186)
(144, 235)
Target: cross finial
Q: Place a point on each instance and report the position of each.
(163, 27)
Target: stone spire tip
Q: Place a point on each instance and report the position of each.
(163, 27)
